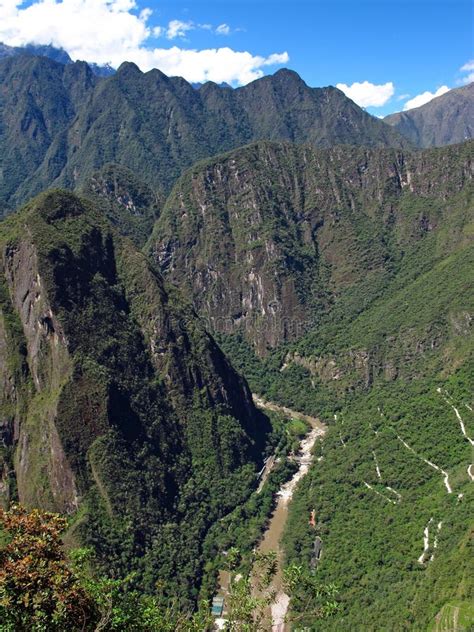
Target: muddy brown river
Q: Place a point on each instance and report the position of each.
(271, 540)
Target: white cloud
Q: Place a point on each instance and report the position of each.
(424, 97)
(215, 64)
(223, 29)
(177, 28)
(113, 31)
(469, 68)
(368, 94)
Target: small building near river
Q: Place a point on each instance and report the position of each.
(217, 606)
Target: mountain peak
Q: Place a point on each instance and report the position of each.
(286, 74)
(130, 68)
(445, 120)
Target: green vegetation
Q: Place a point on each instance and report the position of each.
(338, 281)
(310, 237)
(457, 615)
(374, 357)
(373, 536)
(59, 124)
(243, 527)
(44, 590)
(135, 411)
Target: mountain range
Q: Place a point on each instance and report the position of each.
(60, 123)
(166, 251)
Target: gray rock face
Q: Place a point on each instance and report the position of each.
(264, 237)
(445, 120)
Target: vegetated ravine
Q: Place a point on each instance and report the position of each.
(336, 279)
(271, 540)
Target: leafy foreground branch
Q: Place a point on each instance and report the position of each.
(308, 596)
(43, 590)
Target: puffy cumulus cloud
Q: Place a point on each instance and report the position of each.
(93, 30)
(177, 28)
(424, 97)
(368, 94)
(112, 31)
(215, 64)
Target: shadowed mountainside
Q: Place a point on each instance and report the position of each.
(116, 405)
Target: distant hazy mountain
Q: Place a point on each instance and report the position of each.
(56, 54)
(59, 123)
(446, 120)
(199, 84)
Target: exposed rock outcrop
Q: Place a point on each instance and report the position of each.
(266, 237)
(115, 400)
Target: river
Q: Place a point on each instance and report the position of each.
(271, 540)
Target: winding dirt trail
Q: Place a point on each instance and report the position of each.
(470, 472)
(431, 464)
(426, 542)
(447, 399)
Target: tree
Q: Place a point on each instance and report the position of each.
(309, 598)
(42, 590)
(38, 589)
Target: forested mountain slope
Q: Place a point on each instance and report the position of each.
(116, 406)
(394, 490)
(389, 366)
(60, 123)
(445, 120)
(268, 237)
(333, 263)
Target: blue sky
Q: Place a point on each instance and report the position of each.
(388, 48)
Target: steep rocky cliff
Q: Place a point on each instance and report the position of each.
(116, 406)
(267, 237)
(126, 201)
